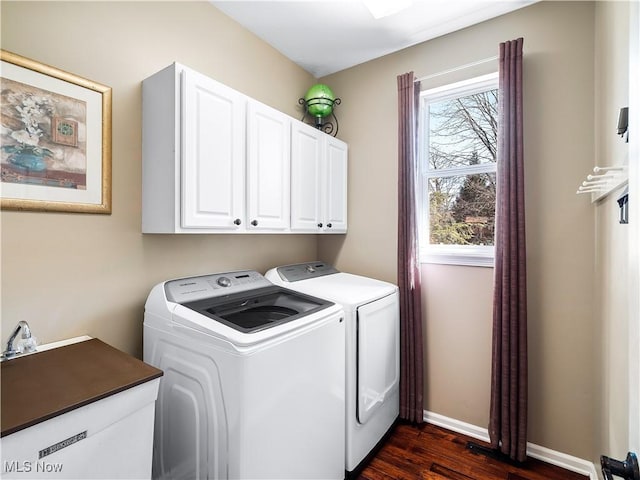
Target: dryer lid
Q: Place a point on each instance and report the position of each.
(343, 288)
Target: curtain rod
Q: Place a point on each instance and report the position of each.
(455, 69)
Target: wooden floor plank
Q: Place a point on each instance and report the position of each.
(428, 452)
(448, 473)
(429, 475)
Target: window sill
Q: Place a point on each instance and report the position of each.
(477, 258)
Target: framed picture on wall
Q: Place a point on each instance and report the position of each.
(55, 139)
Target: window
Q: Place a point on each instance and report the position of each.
(459, 126)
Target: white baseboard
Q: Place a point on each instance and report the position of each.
(568, 462)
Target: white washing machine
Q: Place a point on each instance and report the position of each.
(254, 381)
(372, 314)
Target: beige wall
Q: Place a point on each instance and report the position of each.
(612, 93)
(73, 274)
(458, 341)
(559, 149)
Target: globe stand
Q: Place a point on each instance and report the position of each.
(321, 123)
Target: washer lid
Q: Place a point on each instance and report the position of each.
(258, 309)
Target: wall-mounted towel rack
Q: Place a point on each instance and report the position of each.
(603, 181)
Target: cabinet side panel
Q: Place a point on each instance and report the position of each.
(159, 141)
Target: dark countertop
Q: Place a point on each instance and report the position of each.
(46, 384)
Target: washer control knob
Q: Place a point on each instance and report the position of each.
(224, 282)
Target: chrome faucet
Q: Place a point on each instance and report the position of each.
(12, 351)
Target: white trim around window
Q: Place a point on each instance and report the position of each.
(468, 255)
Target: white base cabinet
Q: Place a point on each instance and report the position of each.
(217, 161)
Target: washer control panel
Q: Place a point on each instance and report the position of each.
(184, 290)
(305, 271)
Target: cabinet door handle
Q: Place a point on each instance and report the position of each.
(254, 223)
(237, 221)
(329, 225)
(319, 225)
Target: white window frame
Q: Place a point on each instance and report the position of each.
(471, 255)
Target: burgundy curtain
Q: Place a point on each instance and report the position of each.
(411, 361)
(508, 415)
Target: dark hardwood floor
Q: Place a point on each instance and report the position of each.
(428, 452)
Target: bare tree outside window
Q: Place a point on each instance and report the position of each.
(461, 179)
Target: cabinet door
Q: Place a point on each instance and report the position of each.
(335, 199)
(307, 151)
(268, 168)
(213, 153)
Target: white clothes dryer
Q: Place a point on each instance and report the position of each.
(254, 381)
(372, 314)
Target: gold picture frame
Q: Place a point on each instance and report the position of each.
(55, 139)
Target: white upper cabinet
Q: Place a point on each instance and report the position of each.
(335, 201)
(318, 181)
(213, 153)
(268, 167)
(193, 154)
(217, 161)
(307, 160)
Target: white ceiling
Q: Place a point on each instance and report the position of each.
(326, 36)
